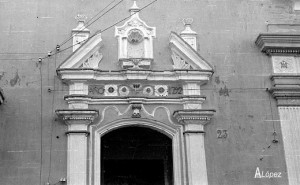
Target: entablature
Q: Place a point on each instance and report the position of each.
(279, 43)
(199, 76)
(134, 99)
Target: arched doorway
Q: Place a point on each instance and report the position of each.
(136, 156)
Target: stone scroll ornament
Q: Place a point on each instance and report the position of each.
(93, 61)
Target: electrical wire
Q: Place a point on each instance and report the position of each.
(52, 125)
(21, 53)
(107, 28)
(88, 24)
(41, 120)
(65, 41)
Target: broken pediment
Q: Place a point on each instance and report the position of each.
(87, 55)
(135, 40)
(184, 56)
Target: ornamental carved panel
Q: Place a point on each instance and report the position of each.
(284, 64)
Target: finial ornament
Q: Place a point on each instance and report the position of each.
(80, 33)
(188, 21)
(81, 18)
(134, 8)
(187, 24)
(188, 34)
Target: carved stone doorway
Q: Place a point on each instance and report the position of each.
(136, 156)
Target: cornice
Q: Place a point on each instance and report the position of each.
(285, 92)
(195, 116)
(141, 100)
(285, 80)
(178, 44)
(67, 74)
(278, 43)
(77, 114)
(93, 43)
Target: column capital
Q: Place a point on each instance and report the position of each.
(194, 116)
(82, 117)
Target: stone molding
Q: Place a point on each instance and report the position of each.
(199, 76)
(141, 100)
(82, 56)
(286, 89)
(85, 116)
(185, 53)
(194, 116)
(278, 43)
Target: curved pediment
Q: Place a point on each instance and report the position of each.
(184, 56)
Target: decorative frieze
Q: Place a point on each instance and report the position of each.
(111, 90)
(148, 91)
(135, 89)
(161, 90)
(124, 91)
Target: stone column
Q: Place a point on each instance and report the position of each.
(193, 122)
(77, 122)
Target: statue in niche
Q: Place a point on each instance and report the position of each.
(93, 61)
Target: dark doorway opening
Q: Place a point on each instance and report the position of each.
(136, 156)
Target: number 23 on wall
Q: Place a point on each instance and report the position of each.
(222, 134)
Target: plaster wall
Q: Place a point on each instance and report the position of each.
(33, 143)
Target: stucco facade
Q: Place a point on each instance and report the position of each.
(217, 79)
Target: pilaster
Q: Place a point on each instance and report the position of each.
(193, 121)
(284, 49)
(77, 122)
